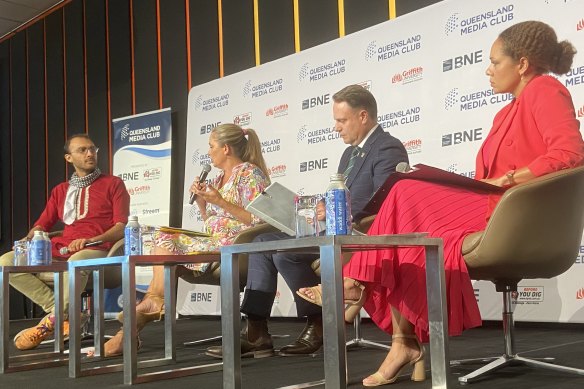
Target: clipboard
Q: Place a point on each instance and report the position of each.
(431, 174)
(275, 205)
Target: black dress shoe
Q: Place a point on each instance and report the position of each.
(309, 341)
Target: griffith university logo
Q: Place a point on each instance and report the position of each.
(581, 112)
(125, 131)
(580, 25)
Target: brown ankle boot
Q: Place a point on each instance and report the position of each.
(308, 342)
(256, 341)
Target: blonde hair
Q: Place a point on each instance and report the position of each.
(538, 42)
(245, 144)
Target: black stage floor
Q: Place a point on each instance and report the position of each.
(564, 342)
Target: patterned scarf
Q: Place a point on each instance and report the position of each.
(76, 184)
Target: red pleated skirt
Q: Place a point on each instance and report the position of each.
(396, 277)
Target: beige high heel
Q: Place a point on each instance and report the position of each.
(418, 373)
(143, 318)
(353, 306)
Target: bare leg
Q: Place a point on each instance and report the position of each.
(351, 290)
(404, 349)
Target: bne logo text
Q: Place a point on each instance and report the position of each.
(317, 164)
(462, 137)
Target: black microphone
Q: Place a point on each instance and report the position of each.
(65, 250)
(403, 167)
(202, 177)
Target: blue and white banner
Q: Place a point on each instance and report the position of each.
(142, 158)
(427, 71)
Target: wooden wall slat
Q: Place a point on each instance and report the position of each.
(276, 20)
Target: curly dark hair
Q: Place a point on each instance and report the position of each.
(538, 42)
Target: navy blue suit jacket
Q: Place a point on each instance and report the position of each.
(380, 155)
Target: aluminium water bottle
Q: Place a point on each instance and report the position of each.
(36, 251)
(132, 237)
(48, 249)
(338, 207)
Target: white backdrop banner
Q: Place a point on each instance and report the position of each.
(427, 72)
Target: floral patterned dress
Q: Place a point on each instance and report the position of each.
(247, 181)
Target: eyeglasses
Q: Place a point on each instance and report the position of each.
(84, 150)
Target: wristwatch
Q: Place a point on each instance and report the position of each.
(510, 177)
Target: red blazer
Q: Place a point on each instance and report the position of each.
(538, 129)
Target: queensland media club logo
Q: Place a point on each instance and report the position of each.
(243, 119)
(277, 111)
(453, 168)
(125, 131)
(315, 136)
(271, 145)
(200, 159)
(455, 99)
(464, 136)
(575, 77)
(315, 164)
(202, 104)
(308, 72)
(409, 75)
(195, 214)
(316, 101)
(207, 128)
(462, 61)
(413, 146)
(457, 25)
(263, 88)
(528, 295)
(389, 50)
(399, 117)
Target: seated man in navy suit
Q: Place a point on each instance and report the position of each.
(374, 154)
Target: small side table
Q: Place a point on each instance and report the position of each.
(36, 360)
(130, 365)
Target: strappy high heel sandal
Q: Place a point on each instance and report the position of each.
(418, 373)
(353, 306)
(143, 318)
(109, 352)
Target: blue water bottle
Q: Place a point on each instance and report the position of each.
(132, 237)
(37, 251)
(338, 207)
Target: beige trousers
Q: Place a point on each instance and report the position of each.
(34, 287)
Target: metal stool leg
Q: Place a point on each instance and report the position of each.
(359, 341)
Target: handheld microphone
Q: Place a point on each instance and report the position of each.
(65, 250)
(403, 167)
(202, 177)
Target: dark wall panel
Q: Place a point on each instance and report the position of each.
(145, 55)
(319, 22)
(120, 64)
(403, 7)
(175, 90)
(19, 183)
(359, 17)
(5, 145)
(36, 120)
(276, 19)
(55, 98)
(75, 73)
(238, 38)
(95, 40)
(204, 27)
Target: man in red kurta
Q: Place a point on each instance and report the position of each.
(93, 207)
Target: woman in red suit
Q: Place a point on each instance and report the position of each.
(535, 134)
